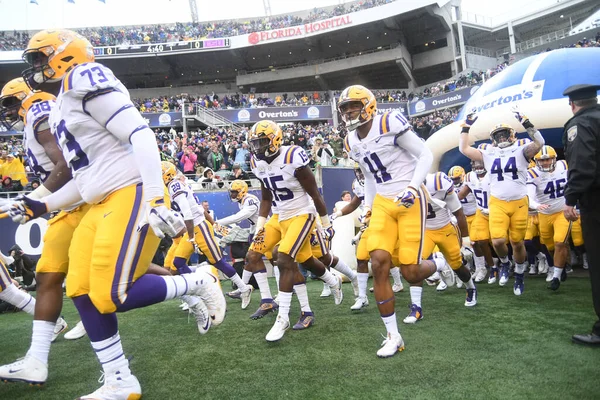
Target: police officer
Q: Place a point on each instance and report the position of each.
(580, 140)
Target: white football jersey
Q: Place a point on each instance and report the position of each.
(36, 121)
(249, 206)
(550, 187)
(358, 190)
(480, 189)
(100, 162)
(439, 186)
(279, 177)
(392, 166)
(180, 192)
(469, 204)
(507, 169)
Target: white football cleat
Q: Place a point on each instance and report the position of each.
(326, 290)
(480, 274)
(246, 296)
(397, 287)
(338, 295)
(532, 269)
(27, 369)
(550, 274)
(117, 388)
(60, 327)
(203, 319)
(211, 294)
(278, 330)
(542, 265)
(360, 303)
(390, 346)
(441, 286)
(76, 333)
(447, 275)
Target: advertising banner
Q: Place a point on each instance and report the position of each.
(445, 100)
(278, 114)
(158, 120)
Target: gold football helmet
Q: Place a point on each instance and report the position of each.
(457, 174)
(365, 110)
(53, 53)
(265, 139)
(237, 190)
(169, 172)
(503, 135)
(12, 96)
(545, 159)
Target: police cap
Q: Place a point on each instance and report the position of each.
(581, 92)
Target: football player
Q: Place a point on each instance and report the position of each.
(20, 107)
(546, 190)
(287, 181)
(507, 164)
(116, 169)
(477, 182)
(248, 205)
(451, 239)
(199, 233)
(11, 294)
(362, 255)
(397, 162)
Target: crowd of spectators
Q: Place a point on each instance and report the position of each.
(165, 33)
(583, 43)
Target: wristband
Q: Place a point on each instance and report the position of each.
(39, 193)
(466, 241)
(260, 223)
(465, 129)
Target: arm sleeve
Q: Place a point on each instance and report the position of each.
(370, 191)
(184, 206)
(241, 215)
(582, 165)
(65, 197)
(452, 202)
(115, 111)
(415, 146)
(531, 193)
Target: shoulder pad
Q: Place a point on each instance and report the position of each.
(532, 174)
(252, 162)
(347, 143)
(295, 156)
(177, 187)
(38, 113)
(564, 164)
(441, 182)
(397, 122)
(89, 80)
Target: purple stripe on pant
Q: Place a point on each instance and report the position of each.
(212, 246)
(302, 237)
(5, 280)
(131, 227)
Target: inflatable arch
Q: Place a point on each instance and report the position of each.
(536, 84)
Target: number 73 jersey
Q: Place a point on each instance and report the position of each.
(507, 169)
(550, 187)
(391, 166)
(279, 177)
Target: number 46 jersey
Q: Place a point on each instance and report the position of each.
(392, 166)
(550, 187)
(507, 169)
(279, 177)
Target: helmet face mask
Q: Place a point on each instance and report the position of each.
(264, 139)
(12, 97)
(478, 167)
(360, 177)
(238, 190)
(39, 71)
(351, 112)
(545, 159)
(169, 172)
(503, 136)
(357, 106)
(457, 174)
(260, 146)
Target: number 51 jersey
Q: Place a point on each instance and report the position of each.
(507, 169)
(392, 166)
(279, 177)
(101, 163)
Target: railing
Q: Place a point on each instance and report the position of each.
(479, 51)
(539, 41)
(477, 19)
(208, 117)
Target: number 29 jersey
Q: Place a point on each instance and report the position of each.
(550, 187)
(101, 163)
(507, 169)
(279, 177)
(180, 192)
(392, 166)
(36, 120)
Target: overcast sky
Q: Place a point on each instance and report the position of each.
(21, 14)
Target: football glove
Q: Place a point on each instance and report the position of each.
(259, 240)
(469, 121)
(336, 214)
(23, 210)
(193, 243)
(407, 198)
(328, 233)
(313, 240)
(162, 220)
(221, 230)
(519, 116)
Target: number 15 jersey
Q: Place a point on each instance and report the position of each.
(392, 166)
(279, 177)
(507, 169)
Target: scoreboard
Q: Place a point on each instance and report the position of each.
(161, 48)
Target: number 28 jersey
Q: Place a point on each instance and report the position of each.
(392, 166)
(279, 177)
(101, 162)
(507, 169)
(550, 187)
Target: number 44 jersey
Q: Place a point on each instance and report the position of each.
(279, 177)
(507, 169)
(392, 166)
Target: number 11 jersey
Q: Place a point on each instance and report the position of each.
(279, 177)
(392, 166)
(507, 169)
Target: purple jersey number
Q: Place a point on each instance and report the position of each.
(77, 160)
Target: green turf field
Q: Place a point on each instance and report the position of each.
(505, 347)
